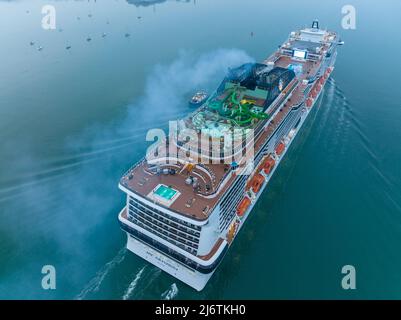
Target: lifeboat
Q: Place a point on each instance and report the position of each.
(321, 81)
(313, 93)
(243, 206)
(280, 149)
(257, 182)
(231, 233)
(268, 165)
(309, 102)
(319, 87)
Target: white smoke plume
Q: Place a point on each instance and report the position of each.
(66, 208)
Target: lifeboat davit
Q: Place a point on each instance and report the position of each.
(257, 182)
(243, 206)
(280, 149)
(309, 102)
(268, 165)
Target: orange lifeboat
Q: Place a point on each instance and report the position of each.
(314, 93)
(243, 206)
(309, 102)
(321, 81)
(319, 87)
(257, 182)
(280, 149)
(268, 165)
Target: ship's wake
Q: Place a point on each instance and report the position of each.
(94, 284)
(133, 284)
(143, 279)
(347, 124)
(171, 293)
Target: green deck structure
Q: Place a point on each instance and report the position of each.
(234, 109)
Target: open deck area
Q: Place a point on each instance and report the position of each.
(193, 191)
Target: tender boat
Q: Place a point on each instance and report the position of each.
(198, 99)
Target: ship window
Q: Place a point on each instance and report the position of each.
(151, 210)
(299, 54)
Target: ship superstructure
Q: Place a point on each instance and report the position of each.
(188, 199)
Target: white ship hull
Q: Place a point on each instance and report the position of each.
(190, 277)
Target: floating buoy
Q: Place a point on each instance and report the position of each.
(31, 43)
(68, 47)
(40, 48)
(88, 39)
(127, 35)
(103, 34)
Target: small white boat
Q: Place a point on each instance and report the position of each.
(198, 98)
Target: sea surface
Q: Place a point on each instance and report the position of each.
(72, 121)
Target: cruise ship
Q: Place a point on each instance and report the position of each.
(189, 197)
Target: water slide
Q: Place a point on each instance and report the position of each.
(236, 110)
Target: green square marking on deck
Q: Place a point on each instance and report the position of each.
(165, 192)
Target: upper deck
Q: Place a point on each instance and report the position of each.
(196, 188)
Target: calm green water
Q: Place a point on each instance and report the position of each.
(72, 121)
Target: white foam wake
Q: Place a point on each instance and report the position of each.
(133, 284)
(94, 284)
(171, 293)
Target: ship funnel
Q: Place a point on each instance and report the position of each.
(315, 24)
